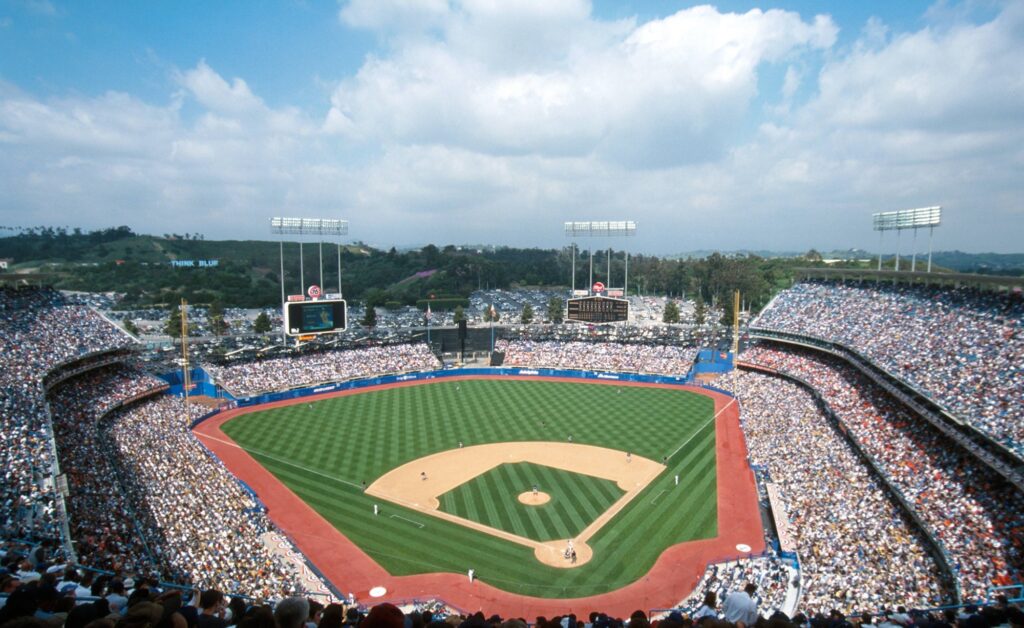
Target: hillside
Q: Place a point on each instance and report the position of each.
(244, 273)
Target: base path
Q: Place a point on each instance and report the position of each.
(671, 579)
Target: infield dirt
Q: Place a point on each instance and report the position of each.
(419, 484)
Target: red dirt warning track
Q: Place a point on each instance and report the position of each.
(672, 578)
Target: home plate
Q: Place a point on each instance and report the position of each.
(743, 547)
(378, 592)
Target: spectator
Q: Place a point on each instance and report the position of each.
(973, 513)
(292, 612)
(963, 347)
(211, 607)
(606, 356)
(707, 608)
(250, 378)
(739, 606)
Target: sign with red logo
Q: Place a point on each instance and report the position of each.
(598, 286)
(296, 297)
(313, 291)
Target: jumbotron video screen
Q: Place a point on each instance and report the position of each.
(315, 317)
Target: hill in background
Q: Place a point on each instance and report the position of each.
(152, 270)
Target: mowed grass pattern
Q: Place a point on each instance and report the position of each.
(323, 451)
(492, 499)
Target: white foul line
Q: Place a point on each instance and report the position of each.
(276, 459)
(699, 430)
(415, 523)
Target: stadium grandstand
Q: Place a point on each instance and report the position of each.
(882, 424)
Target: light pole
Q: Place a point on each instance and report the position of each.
(601, 228)
(492, 313)
(903, 219)
(300, 227)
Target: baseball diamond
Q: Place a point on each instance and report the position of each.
(577, 500)
(336, 455)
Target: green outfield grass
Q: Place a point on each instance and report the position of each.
(324, 451)
(492, 499)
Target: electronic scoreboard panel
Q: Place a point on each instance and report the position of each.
(598, 310)
(305, 318)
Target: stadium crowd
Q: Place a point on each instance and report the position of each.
(38, 333)
(136, 476)
(206, 529)
(280, 373)
(37, 604)
(641, 358)
(963, 347)
(767, 573)
(841, 518)
(976, 517)
(142, 487)
(98, 511)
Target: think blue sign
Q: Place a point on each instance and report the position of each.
(193, 263)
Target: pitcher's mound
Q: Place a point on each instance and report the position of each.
(531, 499)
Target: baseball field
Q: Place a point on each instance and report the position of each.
(498, 475)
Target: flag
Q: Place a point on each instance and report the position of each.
(428, 310)
(493, 311)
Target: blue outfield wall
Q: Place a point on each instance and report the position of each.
(202, 384)
(712, 361)
(447, 373)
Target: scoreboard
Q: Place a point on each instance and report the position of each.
(598, 310)
(304, 318)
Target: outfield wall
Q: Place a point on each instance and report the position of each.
(368, 382)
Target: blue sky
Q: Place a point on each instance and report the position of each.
(734, 125)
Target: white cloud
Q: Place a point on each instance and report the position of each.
(547, 78)
(494, 121)
(791, 82)
(394, 15)
(216, 94)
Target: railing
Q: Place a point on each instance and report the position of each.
(981, 446)
(938, 549)
(61, 505)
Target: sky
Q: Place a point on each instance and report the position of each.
(738, 125)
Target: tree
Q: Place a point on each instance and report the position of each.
(131, 327)
(215, 318)
(812, 256)
(370, 318)
(460, 314)
(262, 323)
(173, 326)
(700, 312)
(527, 315)
(555, 311)
(671, 313)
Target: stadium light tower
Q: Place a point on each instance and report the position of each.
(304, 227)
(594, 229)
(903, 219)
